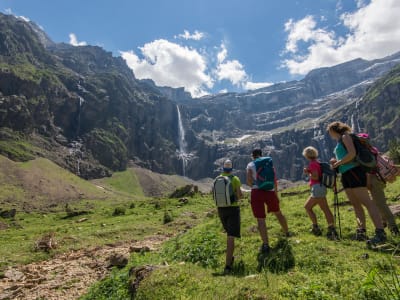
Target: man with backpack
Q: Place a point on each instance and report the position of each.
(260, 176)
(226, 192)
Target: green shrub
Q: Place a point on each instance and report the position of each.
(203, 249)
(119, 211)
(168, 217)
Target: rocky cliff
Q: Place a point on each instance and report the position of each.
(84, 109)
(79, 106)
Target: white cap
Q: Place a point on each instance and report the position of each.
(228, 164)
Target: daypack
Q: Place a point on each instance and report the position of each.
(223, 191)
(365, 156)
(328, 175)
(265, 175)
(386, 168)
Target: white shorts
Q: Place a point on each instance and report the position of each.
(318, 191)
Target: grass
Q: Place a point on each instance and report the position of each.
(143, 217)
(190, 265)
(125, 181)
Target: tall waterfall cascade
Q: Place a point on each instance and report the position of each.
(182, 152)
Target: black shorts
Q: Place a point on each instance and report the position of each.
(230, 219)
(354, 177)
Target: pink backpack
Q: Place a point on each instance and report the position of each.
(386, 168)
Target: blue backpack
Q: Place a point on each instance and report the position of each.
(265, 174)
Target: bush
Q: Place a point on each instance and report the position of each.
(168, 217)
(119, 211)
(204, 249)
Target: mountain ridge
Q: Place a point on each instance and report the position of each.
(85, 110)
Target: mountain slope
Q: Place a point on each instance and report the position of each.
(84, 109)
(84, 100)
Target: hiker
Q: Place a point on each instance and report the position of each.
(354, 181)
(376, 188)
(318, 195)
(376, 183)
(260, 197)
(229, 214)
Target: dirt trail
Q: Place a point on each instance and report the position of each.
(68, 275)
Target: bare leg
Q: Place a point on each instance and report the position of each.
(282, 220)
(363, 197)
(309, 209)
(262, 228)
(358, 209)
(323, 204)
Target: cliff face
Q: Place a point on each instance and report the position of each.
(81, 105)
(84, 109)
(285, 118)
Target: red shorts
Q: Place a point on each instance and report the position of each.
(261, 197)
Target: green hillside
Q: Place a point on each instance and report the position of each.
(40, 184)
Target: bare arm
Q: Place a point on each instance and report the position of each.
(239, 194)
(249, 178)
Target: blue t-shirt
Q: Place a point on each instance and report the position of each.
(340, 152)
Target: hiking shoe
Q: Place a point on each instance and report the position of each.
(361, 235)
(227, 270)
(395, 231)
(315, 230)
(379, 237)
(264, 249)
(332, 234)
(288, 234)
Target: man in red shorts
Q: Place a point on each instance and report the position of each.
(260, 198)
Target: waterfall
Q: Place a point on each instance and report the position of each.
(76, 153)
(182, 154)
(78, 118)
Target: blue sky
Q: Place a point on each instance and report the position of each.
(212, 46)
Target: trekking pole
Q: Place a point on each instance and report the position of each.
(336, 207)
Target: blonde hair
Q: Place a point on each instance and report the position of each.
(310, 152)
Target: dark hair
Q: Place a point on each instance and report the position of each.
(256, 152)
(339, 127)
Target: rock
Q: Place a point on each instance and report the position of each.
(8, 214)
(118, 260)
(139, 249)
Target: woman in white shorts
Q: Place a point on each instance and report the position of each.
(318, 195)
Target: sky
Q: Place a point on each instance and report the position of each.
(218, 46)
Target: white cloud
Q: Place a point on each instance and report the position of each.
(256, 85)
(73, 40)
(8, 11)
(170, 64)
(222, 54)
(374, 32)
(231, 70)
(197, 35)
(198, 71)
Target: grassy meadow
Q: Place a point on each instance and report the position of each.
(190, 264)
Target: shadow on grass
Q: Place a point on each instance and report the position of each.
(238, 270)
(279, 259)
